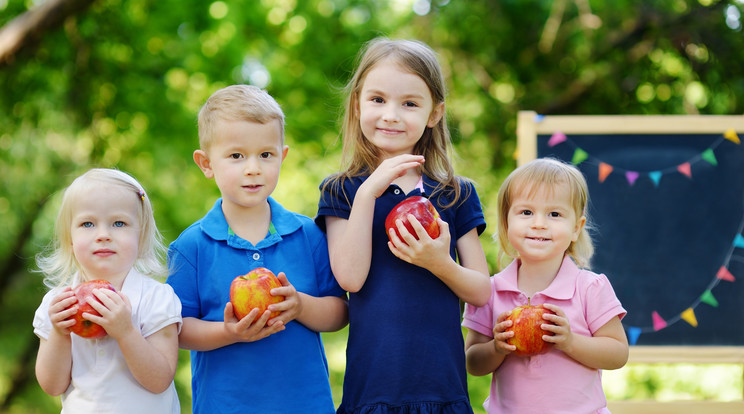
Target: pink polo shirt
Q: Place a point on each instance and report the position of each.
(553, 382)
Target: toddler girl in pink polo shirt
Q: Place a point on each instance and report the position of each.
(542, 226)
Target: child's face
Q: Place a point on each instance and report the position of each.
(395, 106)
(541, 226)
(244, 159)
(105, 231)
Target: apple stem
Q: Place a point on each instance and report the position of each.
(528, 301)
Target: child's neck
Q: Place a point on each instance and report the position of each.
(533, 277)
(408, 181)
(250, 224)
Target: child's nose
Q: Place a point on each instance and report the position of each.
(103, 234)
(390, 114)
(251, 166)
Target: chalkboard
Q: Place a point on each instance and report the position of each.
(667, 203)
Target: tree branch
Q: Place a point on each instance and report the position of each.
(30, 26)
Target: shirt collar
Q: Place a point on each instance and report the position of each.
(283, 222)
(562, 287)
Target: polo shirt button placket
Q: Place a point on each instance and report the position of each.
(256, 256)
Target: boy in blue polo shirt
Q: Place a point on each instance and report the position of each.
(273, 365)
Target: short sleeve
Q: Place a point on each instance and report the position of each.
(42, 324)
(470, 213)
(335, 201)
(327, 284)
(479, 318)
(182, 279)
(159, 308)
(601, 303)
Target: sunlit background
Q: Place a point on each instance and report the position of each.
(118, 84)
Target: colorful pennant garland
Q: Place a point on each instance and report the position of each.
(688, 315)
(605, 169)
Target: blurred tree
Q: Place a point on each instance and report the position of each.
(118, 84)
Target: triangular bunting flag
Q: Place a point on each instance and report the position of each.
(604, 170)
(579, 156)
(689, 316)
(739, 241)
(724, 274)
(731, 136)
(709, 156)
(631, 176)
(659, 323)
(655, 177)
(685, 169)
(708, 298)
(633, 334)
(556, 139)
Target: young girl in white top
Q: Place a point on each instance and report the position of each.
(542, 225)
(106, 230)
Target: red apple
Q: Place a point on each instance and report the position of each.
(84, 293)
(526, 322)
(421, 208)
(253, 290)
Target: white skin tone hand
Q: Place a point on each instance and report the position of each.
(59, 313)
(152, 360)
(320, 314)
(468, 280)
(350, 241)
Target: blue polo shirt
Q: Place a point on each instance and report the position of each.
(286, 372)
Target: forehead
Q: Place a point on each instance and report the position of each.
(555, 192)
(105, 199)
(388, 73)
(248, 133)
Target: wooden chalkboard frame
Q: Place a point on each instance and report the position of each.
(529, 126)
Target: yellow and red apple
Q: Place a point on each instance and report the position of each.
(253, 290)
(528, 333)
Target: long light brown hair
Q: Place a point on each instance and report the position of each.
(360, 156)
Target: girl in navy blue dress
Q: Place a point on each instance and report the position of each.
(405, 350)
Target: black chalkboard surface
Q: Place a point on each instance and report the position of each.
(667, 203)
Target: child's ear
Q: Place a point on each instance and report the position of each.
(201, 159)
(285, 150)
(436, 114)
(579, 227)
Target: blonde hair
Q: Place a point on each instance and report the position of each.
(59, 265)
(237, 103)
(359, 155)
(547, 173)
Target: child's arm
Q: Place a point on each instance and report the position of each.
(200, 335)
(350, 241)
(468, 279)
(320, 314)
(152, 360)
(606, 349)
(54, 360)
(483, 354)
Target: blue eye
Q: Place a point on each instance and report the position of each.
(119, 223)
(86, 224)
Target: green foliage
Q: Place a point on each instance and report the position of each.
(120, 83)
